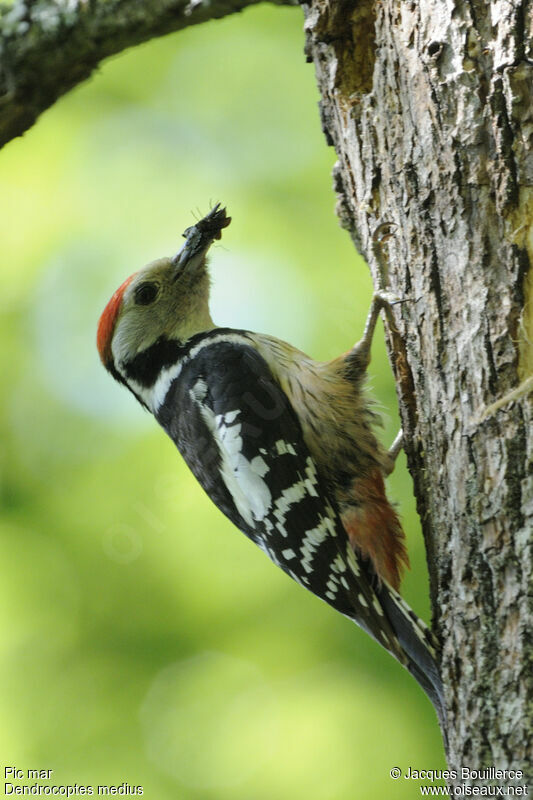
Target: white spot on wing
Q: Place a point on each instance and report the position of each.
(339, 564)
(229, 437)
(243, 478)
(283, 448)
(288, 554)
(312, 541)
(352, 561)
(199, 391)
(377, 605)
(312, 478)
(260, 466)
(282, 505)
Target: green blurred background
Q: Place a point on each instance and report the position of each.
(143, 638)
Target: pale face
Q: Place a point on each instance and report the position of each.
(161, 300)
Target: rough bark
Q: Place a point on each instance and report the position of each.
(429, 106)
(49, 46)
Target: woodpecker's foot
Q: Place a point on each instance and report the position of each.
(393, 452)
(387, 299)
(381, 301)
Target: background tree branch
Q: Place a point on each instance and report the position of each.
(49, 46)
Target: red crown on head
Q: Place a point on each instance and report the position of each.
(107, 322)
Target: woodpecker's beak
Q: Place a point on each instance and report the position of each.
(199, 238)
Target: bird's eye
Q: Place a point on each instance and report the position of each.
(146, 293)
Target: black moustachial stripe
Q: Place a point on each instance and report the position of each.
(145, 367)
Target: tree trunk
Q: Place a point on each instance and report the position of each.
(429, 107)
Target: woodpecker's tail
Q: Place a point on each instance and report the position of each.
(419, 644)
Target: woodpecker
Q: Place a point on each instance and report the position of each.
(282, 444)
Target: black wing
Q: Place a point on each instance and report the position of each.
(242, 440)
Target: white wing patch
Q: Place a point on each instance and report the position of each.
(336, 578)
(312, 477)
(199, 391)
(293, 494)
(288, 554)
(283, 448)
(243, 478)
(313, 539)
